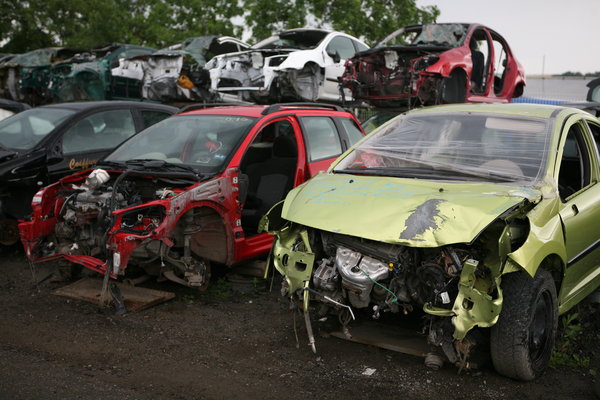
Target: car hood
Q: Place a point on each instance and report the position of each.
(410, 212)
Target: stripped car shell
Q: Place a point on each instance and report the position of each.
(474, 214)
(173, 204)
(297, 64)
(177, 72)
(435, 64)
(88, 75)
(25, 77)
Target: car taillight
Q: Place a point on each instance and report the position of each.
(37, 198)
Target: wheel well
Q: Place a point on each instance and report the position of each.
(208, 232)
(553, 264)
(518, 92)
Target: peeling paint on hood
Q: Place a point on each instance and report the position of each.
(410, 212)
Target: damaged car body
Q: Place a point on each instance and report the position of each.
(177, 72)
(87, 76)
(25, 77)
(435, 64)
(472, 216)
(41, 145)
(295, 65)
(188, 192)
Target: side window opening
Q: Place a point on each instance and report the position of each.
(99, 131)
(480, 56)
(268, 169)
(352, 130)
(152, 117)
(500, 63)
(343, 46)
(595, 129)
(574, 172)
(322, 138)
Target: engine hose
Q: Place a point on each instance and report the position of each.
(380, 285)
(455, 259)
(112, 206)
(67, 200)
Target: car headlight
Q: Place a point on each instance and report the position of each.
(257, 60)
(391, 59)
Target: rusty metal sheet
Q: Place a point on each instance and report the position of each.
(136, 298)
(391, 338)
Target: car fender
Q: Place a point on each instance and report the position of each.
(545, 238)
(298, 59)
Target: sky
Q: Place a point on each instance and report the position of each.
(553, 36)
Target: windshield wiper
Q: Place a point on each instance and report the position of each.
(161, 164)
(428, 173)
(115, 164)
(394, 172)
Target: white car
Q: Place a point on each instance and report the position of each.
(297, 64)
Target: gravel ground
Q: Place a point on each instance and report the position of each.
(214, 346)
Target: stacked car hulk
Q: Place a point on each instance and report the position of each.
(435, 64)
(479, 218)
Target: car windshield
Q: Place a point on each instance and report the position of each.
(293, 39)
(203, 141)
(450, 35)
(468, 146)
(24, 130)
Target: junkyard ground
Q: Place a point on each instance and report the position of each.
(218, 345)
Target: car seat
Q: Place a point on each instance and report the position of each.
(269, 181)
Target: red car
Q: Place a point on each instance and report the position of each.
(435, 64)
(188, 191)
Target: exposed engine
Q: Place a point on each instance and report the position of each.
(379, 277)
(85, 215)
(391, 277)
(86, 220)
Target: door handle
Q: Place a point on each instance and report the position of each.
(575, 209)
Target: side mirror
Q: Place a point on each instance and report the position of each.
(55, 155)
(334, 55)
(53, 159)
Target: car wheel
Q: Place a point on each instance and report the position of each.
(453, 88)
(523, 338)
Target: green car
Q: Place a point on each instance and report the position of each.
(481, 218)
(88, 76)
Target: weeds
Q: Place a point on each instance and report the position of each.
(566, 351)
(221, 289)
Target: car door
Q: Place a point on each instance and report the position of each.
(337, 52)
(325, 138)
(579, 191)
(90, 138)
(271, 162)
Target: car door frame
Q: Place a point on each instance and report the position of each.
(247, 247)
(582, 273)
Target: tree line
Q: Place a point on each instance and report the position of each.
(32, 24)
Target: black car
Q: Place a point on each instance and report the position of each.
(41, 145)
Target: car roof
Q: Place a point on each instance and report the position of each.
(531, 110)
(261, 110)
(90, 105)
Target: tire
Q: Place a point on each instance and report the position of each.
(523, 338)
(453, 89)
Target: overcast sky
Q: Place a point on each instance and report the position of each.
(566, 32)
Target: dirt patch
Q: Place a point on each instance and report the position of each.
(213, 346)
